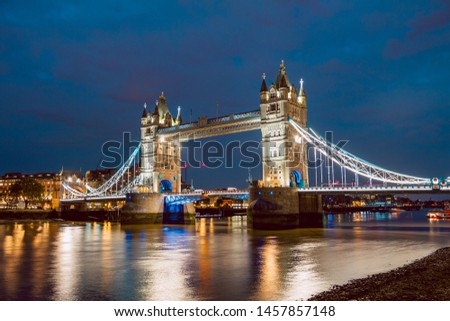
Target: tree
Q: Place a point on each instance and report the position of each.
(219, 202)
(15, 192)
(29, 189)
(32, 191)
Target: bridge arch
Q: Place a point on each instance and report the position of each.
(165, 186)
(296, 179)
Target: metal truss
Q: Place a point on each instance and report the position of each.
(108, 187)
(234, 123)
(354, 163)
(73, 193)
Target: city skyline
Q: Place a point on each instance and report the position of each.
(73, 77)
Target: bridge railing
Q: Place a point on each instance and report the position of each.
(249, 114)
(212, 192)
(426, 188)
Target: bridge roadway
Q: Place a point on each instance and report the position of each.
(171, 198)
(420, 189)
(243, 194)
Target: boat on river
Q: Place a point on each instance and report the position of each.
(439, 214)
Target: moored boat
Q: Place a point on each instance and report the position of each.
(439, 214)
(397, 209)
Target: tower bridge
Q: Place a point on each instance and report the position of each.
(284, 162)
(286, 140)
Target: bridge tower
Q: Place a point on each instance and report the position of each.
(160, 157)
(284, 153)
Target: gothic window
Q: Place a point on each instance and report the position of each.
(273, 93)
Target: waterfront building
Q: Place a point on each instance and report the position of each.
(96, 177)
(50, 181)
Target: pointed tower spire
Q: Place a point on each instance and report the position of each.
(282, 78)
(179, 120)
(144, 113)
(283, 82)
(156, 112)
(282, 67)
(263, 84)
(162, 99)
(302, 91)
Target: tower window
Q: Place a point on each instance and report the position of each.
(272, 108)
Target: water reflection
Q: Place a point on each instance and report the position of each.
(269, 282)
(211, 260)
(332, 219)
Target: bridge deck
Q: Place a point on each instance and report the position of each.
(377, 189)
(311, 190)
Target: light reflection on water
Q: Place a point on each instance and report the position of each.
(213, 260)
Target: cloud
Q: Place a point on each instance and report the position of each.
(398, 48)
(424, 24)
(47, 116)
(426, 32)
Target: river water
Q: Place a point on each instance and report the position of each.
(217, 259)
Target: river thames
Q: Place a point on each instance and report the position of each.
(217, 259)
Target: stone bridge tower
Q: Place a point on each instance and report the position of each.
(284, 153)
(160, 157)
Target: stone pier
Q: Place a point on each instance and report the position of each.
(283, 208)
(150, 208)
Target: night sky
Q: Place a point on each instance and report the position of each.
(74, 74)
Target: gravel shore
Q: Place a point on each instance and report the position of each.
(423, 280)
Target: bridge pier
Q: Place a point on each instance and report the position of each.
(310, 210)
(283, 208)
(150, 208)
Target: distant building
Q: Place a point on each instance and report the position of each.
(97, 177)
(51, 181)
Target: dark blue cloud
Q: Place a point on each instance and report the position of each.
(74, 74)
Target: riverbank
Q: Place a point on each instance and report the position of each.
(28, 214)
(86, 216)
(426, 279)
